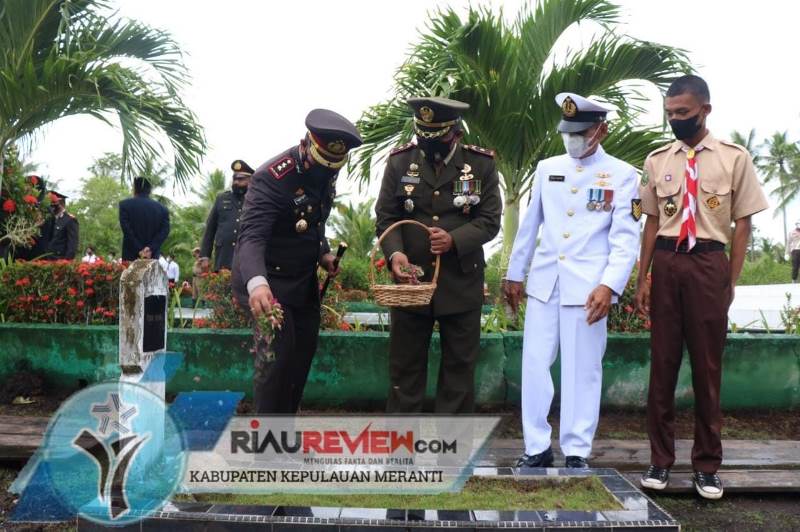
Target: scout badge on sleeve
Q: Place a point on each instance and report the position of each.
(466, 190)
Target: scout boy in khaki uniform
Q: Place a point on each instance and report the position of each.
(692, 191)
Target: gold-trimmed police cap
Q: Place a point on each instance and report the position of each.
(241, 168)
(435, 116)
(579, 113)
(331, 136)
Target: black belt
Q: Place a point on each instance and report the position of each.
(701, 246)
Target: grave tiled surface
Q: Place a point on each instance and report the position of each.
(639, 513)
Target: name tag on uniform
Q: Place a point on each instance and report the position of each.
(409, 179)
(299, 200)
(559, 178)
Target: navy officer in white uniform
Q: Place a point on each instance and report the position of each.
(587, 205)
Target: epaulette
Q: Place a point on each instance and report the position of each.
(281, 167)
(660, 149)
(400, 149)
(734, 145)
(70, 215)
(478, 149)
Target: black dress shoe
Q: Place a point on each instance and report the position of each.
(576, 462)
(543, 459)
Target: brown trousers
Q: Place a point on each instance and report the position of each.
(690, 297)
(460, 336)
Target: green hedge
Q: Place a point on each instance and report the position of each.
(351, 369)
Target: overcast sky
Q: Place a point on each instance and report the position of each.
(258, 67)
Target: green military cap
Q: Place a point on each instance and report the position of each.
(434, 116)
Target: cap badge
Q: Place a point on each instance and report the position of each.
(337, 147)
(426, 114)
(237, 166)
(568, 107)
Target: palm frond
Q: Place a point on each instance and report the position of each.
(68, 57)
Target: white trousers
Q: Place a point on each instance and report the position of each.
(548, 327)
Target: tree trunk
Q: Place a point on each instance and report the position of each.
(510, 226)
(785, 233)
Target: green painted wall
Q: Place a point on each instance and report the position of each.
(351, 369)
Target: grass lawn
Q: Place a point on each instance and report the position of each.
(480, 493)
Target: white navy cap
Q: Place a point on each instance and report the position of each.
(579, 113)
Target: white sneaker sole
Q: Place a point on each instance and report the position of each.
(707, 495)
(653, 485)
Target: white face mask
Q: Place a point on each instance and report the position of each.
(576, 144)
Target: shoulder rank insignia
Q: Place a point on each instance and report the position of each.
(400, 149)
(478, 149)
(645, 178)
(636, 209)
(282, 167)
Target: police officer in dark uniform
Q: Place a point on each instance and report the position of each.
(222, 225)
(281, 244)
(64, 239)
(454, 189)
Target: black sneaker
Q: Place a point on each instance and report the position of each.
(708, 485)
(543, 459)
(656, 478)
(576, 462)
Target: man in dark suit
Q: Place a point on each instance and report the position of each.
(63, 242)
(222, 226)
(144, 223)
(454, 190)
(281, 244)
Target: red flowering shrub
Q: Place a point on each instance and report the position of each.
(60, 292)
(24, 204)
(622, 317)
(226, 313)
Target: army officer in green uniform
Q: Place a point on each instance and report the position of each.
(452, 188)
(222, 226)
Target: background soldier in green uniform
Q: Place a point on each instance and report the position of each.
(222, 226)
(454, 189)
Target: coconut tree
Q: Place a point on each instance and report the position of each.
(510, 73)
(70, 57)
(355, 224)
(212, 186)
(781, 166)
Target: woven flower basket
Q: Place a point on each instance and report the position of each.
(401, 295)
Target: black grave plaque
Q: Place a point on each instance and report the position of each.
(154, 310)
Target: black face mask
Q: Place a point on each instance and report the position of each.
(239, 190)
(434, 150)
(317, 171)
(686, 128)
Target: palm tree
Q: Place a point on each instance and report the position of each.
(781, 165)
(67, 57)
(749, 143)
(509, 75)
(213, 185)
(356, 226)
